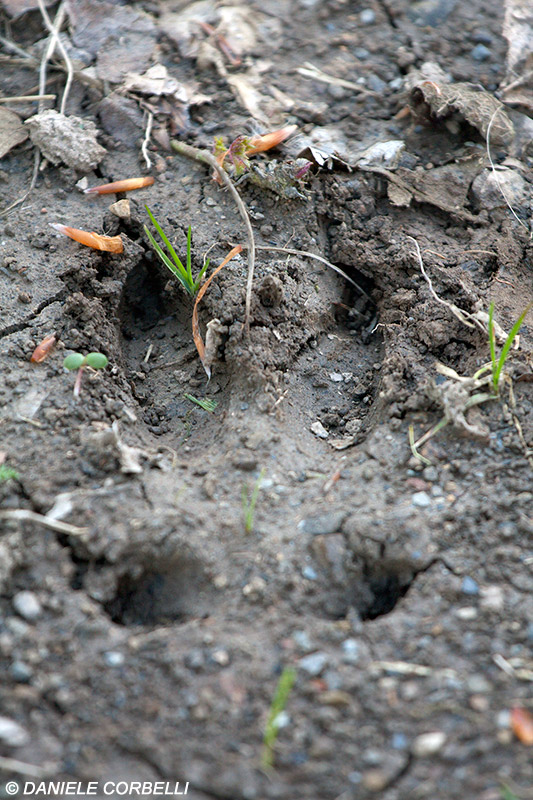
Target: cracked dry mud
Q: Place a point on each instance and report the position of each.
(402, 593)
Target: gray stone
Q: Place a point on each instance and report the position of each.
(480, 53)
(421, 499)
(351, 651)
(113, 658)
(323, 523)
(20, 672)
(469, 586)
(314, 664)
(367, 16)
(12, 734)
(27, 605)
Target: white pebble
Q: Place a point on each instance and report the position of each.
(27, 605)
(427, 744)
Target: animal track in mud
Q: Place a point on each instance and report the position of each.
(325, 347)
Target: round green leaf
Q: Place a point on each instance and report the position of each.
(73, 361)
(96, 360)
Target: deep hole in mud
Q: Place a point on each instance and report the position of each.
(176, 593)
(385, 591)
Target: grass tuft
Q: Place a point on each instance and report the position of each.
(249, 501)
(182, 272)
(205, 403)
(279, 701)
(499, 363)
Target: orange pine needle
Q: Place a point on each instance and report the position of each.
(196, 335)
(111, 244)
(522, 725)
(127, 185)
(259, 144)
(44, 348)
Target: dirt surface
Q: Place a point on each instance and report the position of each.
(146, 642)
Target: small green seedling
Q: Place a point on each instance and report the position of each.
(8, 473)
(249, 501)
(77, 361)
(174, 264)
(498, 364)
(279, 701)
(205, 403)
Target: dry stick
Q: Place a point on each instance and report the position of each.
(146, 140)
(27, 97)
(205, 157)
(54, 32)
(23, 515)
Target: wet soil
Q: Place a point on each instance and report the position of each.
(401, 590)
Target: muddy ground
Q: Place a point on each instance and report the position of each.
(154, 632)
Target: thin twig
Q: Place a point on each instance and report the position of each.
(23, 515)
(205, 157)
(310, 71)
(30, 770)
(27, 97)
(146, 140)
(495, 174)
(55, 39)
(36, 162)
(463, 316)
(322, 260)
(9, 45)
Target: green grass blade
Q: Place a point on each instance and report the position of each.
(166, 240)
(205, 403)
(182, 277)
(279, 701)
(201, 275)
(513, 333)
(189, 259)
(492, 343)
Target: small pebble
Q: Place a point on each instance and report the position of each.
(20, 672)
(469, 586)
(323, 523)
(399, 741)
(314, 664)
(466, 613)
(375, 84)
(309, 573)
(27, 605)
(220, 657)
(481, 37)
(421, 499)
(367, 16)
(255, 589)
(480, 52)
(12, 734)
(427, 744)
(351, 651)
(113, 658)
(318, 429)
(362, 54)
(281, 720)
(430, 474)
(195, 659)
(302, 641)
(492, 598)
